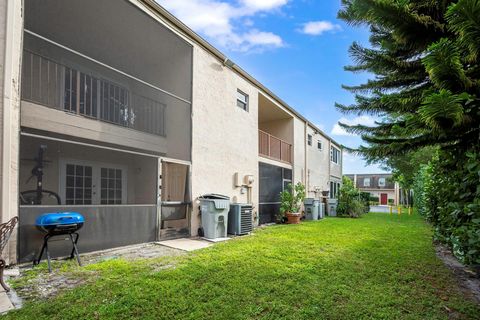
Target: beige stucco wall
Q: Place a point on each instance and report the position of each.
(318, 162)
(11, 23)
(282, 128)
(225, 137)
(299, 151)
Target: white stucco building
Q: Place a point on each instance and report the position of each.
(131, 117)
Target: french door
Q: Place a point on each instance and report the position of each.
(86, 182)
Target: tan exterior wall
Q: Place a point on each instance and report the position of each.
(282, 128)
(225, 137)
(11, 34)
(299, 151)
(318, 161)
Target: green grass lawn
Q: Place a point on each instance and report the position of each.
(378, 266)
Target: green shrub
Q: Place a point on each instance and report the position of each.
(365, 198)
(391, 201)
(447, 193)
(374, 199)
(350, 203)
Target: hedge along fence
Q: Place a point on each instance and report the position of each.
(447, 193)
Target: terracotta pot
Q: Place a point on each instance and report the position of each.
(293, 218)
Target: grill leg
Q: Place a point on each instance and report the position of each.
(75, 250)
(48, 256)
(44, 246)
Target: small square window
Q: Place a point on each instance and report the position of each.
(319, 145)
(309, 139)
(242, 100)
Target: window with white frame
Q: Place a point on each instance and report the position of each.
(309, 139)
(381, 182)
(242, 100)
(334, 155)
(366, 182)
(319, 145)
(334, 189)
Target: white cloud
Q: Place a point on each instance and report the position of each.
(317, 28)
(364, 120)
(222, 21)
(259, 5)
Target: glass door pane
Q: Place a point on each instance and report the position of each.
(78, 184)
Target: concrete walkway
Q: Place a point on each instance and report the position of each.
(5, 302)
(186, 244)
(385, 209)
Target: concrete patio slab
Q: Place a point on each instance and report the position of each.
(5, 303)
(216, 239)
(186, 244)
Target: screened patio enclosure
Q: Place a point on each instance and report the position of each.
(84, 67)
(118, 192)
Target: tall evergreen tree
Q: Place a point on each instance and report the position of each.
(425, 58)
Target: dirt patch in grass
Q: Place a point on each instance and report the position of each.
(35, 284)
(468, 278)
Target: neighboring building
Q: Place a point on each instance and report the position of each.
(136, 116)
(379, 185)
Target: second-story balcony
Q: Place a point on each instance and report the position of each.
(275, 135)
(274, 148)
(67, 88)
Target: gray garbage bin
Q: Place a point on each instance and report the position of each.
(311, 208)
(332, 207)
(214, 209)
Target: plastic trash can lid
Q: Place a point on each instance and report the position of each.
(214, 196)
(308, 201)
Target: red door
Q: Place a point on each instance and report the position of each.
(383, 198)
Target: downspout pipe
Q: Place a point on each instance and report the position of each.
(305, 170)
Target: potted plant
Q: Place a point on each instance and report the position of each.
(291, 201)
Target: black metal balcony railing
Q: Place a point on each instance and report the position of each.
(62, 87)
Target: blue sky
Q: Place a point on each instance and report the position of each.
(296, 48)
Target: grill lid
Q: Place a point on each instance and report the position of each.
(59, 218)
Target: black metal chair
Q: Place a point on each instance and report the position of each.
(6, 230)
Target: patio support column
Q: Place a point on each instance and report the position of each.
(159, 197)
(11, 42)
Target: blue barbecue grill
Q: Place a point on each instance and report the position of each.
(58, 224)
